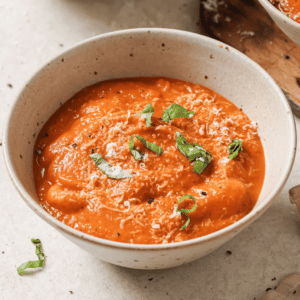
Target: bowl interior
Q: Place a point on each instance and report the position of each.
(156, 52)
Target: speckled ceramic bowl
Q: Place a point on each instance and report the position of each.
(290, 27)
(151, 52)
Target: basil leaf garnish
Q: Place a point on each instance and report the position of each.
(185, 211)
(151, 146)
(186, 148)
(193, 152)
(234, 148)
(33, 264)
(147, 112)
(136, 154)
(112, 172)
(176, 111)
(202, 161)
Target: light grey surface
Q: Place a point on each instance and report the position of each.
(31, 32)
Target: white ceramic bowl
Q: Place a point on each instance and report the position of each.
(290, 27)
(151, 52)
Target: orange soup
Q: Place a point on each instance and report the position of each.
(115, 160)
(291, 8)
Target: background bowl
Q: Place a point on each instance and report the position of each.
(152, 52)
(290, 27)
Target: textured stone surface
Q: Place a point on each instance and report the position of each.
(31, 32)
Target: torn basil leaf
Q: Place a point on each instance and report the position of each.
(186, 148)
(193, 152)
(151, 146)
(185, 211)
(136, 154)
(115, 172)
(147, 112)
(176, 111)
(234, 148)
(202, 161)
(33, 264)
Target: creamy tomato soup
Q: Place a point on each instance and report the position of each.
(291, 8)
(95, 136)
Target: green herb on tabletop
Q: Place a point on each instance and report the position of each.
(234, 148)
(185, 211)
(151, 146)
(147, 112)
(115, 172)
(176, 111)
(33, 264)
(193, 152)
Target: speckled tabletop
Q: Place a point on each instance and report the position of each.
(31, 32)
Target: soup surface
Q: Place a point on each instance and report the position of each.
(291, 8)
(142, 209)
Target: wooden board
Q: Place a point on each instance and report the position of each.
(246, 26)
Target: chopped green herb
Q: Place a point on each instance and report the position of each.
(193, 152)
(186, 148)
(176, 111)
(33, 264)
(147, 112)
(136, 154)
(185, 211)
(234, 148)
(151, 146)
(202, 161)
(115, 172)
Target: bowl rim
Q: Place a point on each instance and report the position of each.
(231, 229)
(279, 13)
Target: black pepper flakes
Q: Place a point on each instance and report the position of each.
(150, 200)
(45, 135)
(268, 289)
(92, 151)
(118, 234)
(89, 135)
(150, 279)
(287, 57)
(204, 193)
(273, 278)
(74, 145)
(10, 85)
(228, 252)
(71, 292)
(21, 156)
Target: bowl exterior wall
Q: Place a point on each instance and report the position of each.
(289, 27)
(149, 259)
